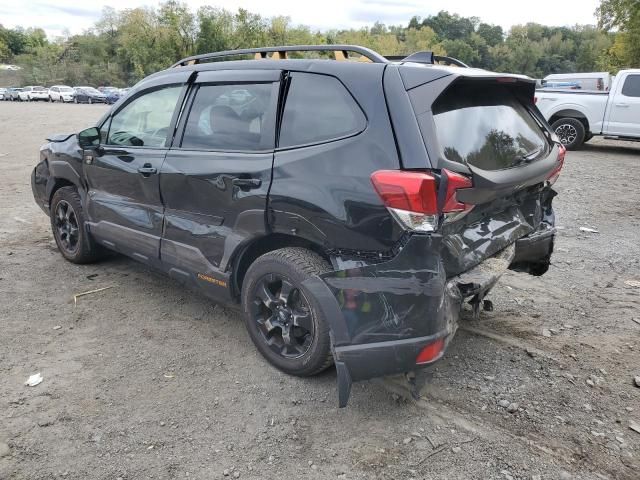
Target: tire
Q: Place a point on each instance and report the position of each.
(588, 137)
(308, 350)
(68, 217)
(570, 131)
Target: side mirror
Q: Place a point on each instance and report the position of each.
(89, 138)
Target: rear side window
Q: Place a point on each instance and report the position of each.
(318, 109)
(486, 126)
(232, 118)
(631, 87)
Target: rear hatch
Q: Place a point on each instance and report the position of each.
(490, 153)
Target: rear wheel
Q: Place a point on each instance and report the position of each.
(570, 131)
(68, 226)
(282, 317)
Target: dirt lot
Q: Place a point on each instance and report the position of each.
(148, 380)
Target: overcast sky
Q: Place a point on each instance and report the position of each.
(56, 15)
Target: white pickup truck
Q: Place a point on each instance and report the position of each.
(576, 116)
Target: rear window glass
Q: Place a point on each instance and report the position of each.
(631, 87)
(486, 126)
(318, 109)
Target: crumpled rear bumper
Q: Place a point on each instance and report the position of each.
(429, 312)
(383, 314)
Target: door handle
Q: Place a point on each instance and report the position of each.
(147, 170)
(623, 105)
(247, 183)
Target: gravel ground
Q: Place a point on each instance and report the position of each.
(149, 380)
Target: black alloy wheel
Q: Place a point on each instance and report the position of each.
(283, 316)
(66, 227)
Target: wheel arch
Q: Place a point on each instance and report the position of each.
(264, 244)
(571, 113)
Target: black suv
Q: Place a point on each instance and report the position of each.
(349, 207)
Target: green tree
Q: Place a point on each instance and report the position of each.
(623, 15)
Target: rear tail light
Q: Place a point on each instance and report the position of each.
(412, 197)
(455, 182)
(431, 352)
(555, 173)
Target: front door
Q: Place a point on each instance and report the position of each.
(215, 179)
(624, 113)
(123, 203)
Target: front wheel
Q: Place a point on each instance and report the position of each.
(283, 318)
(570, 131)
(68, 226)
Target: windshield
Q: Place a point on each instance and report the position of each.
(66, 89)
(485, 125)
(91, 90)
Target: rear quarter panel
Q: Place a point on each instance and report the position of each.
(324, 193)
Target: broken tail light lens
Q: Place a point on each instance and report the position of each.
(412, 197)
(431, 352)
(555, 173)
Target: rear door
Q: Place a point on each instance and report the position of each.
(123, 203)
(624, 112)
(216, 176)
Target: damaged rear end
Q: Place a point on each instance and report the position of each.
(474, 198)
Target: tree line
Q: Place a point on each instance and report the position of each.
(125, 46)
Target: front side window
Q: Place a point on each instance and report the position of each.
(232, 118)
(318, 109)
(631, 87)
(145, 121)
(486, 125)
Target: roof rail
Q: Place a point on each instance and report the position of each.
(341, 52)
(428, 58)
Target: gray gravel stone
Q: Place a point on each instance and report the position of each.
(5, 451)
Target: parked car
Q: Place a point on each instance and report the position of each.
(336, 202)
(61, 93)
(32, 94)
(600, 81)
(113, 96)
(88, 95)
(577, 116)
(107, 90)
(12, 94)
